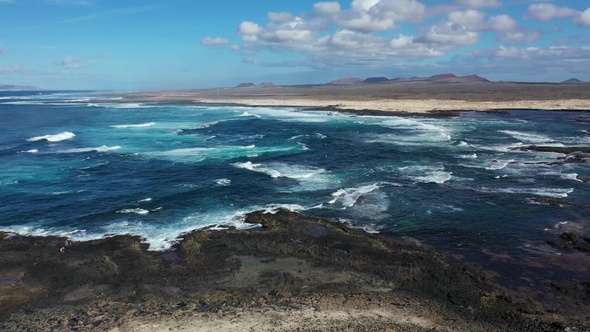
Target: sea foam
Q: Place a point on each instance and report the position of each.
(53, 138)
(139, 125)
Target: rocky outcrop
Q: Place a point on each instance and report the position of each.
(290, 262)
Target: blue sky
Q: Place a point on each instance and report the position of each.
(143, 44)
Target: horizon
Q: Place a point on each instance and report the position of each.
(97, 45)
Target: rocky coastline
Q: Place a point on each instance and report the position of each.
(291, 273)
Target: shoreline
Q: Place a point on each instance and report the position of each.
(401, 97)
(291, 271)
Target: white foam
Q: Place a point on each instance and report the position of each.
(527, 137)
(547, 192)
(565, 176)
(248, 114)
(223, 182)
(30, 151)
(427, 174)
(499, 164)
(145, 200)
(347, 197)
(274, 208)
(468, 156)
(136, 211)
(53, 138)
(102, 148)
(309, 177)
(139, 125)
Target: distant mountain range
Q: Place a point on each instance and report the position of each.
(435, 79)
(7, 87)
(441, 78)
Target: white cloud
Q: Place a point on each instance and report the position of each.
(546, 11)
(70, 62)
(502, 23)
(582, 18)
(214, 41)
(326, 8)
(280, 17)
(249, 28)
(477, 3)
(379, 15)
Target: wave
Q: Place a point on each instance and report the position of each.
(427, 174)
(547, 192)
(499, 164)
(53, 138)
(136, 211)
(349, 196)
(30, 151)
(527, 137)
(223, 182)
(307, 177)
(145, 200)
(102, 148)
(140, 125)
(248, 114)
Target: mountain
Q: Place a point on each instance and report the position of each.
(7, 87)
(371, 80)
(474, 78)
(442, 76)
(245, 85)
(346, 81)
(572, 81)
(267, 85)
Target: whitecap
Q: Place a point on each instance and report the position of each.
(248, 114)
(274, 208)
(499, 164)
(348, 197)
(547, 192)
(136, 211)
(53, 138)
(30, 151)
(527, 137)
(223, 182)
(102, 148)
(145, 200)
(427, 174)
(139, 125)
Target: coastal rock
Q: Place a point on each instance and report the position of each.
(289, 263)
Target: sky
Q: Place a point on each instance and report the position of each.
(177, 44)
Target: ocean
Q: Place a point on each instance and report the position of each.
(72, 167)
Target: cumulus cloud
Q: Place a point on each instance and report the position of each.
(326, 8)
(544, 12)
(367, 32)
(477, 3)
(379, 15)
(582, 18)
(214, 41)
(70, 62)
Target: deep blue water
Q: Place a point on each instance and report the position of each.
(86, 170)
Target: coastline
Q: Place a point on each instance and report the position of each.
(293, 273)
(402, 97)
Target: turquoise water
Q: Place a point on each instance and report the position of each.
(86, 170)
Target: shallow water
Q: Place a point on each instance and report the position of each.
(85, 170)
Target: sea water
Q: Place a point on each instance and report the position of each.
(75, 168)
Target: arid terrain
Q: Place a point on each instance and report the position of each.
(397, 97)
